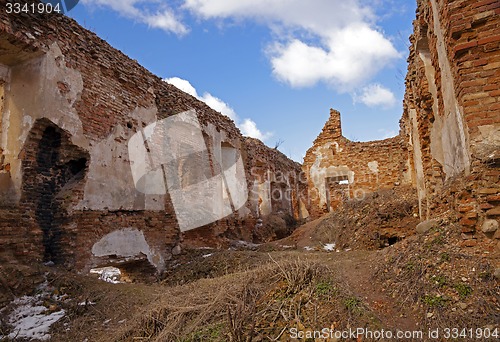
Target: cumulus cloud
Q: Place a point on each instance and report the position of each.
(154, 13)
(313, 15)
(352, 56)
(386, 133)
(248, 127)
(165, 20)
(375, 95)
(183, 85)
(219, 105)
(331, 41)
(212, 101)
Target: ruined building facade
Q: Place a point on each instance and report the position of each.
(70, 105)
(451, 116)
(448, 147)
(340, 169)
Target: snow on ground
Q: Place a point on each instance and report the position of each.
(108, 274)
(243, 244)
(308, 248)
(330, 247)
(30, 319)
(207, 255)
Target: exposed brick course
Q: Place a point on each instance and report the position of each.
(366, 166)
(95, 98)
(464, 70)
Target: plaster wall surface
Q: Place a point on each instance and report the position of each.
(64, 85)
(451, 111)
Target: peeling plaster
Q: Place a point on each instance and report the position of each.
(303, 210)
(318, 174)
(127, 243)
(264, 192)
(437, 126)
(373, 166)
(488, 143)
(417, 158)
(33, 93)
(109, 180)
(453, 132)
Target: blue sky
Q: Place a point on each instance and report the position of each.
(275, 66)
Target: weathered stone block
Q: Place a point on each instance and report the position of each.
(425, 226)
(489, 226)
(493, 212)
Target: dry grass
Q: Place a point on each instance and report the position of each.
(362, 224)
(252, 305)
(447, 286)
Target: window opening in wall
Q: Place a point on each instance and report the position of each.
(337, 190)
(52, 170)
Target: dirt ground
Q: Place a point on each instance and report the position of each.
(340, 272)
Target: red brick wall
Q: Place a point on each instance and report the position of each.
(463, 37)
(367, 166)
(113, 88)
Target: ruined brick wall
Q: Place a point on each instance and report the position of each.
(277, 191)
(278, 183)
(338, 169)
(451, 110)
(70, 105)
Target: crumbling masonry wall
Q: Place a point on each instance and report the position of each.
(451, 112)
(338, 169)
(69, 105)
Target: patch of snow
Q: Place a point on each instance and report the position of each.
(29, 320)
(239, 244)
(86, 303)
(287, 246)
(108, 274)
(247, 244)
(207, 255)
(330, 247)
(308, 248)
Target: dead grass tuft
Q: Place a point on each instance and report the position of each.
(246, 306)
(371, 223)
(446, 285)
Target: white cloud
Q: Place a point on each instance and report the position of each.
(183, 85)
(154, 13)
(212, 101)
(219, 105)
(331, 41)
(312, 15)
(336, 42)
(385, 133)
(375, 95)
(166, 21)
(248, 127)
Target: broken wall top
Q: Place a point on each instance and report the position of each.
(26, 36)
